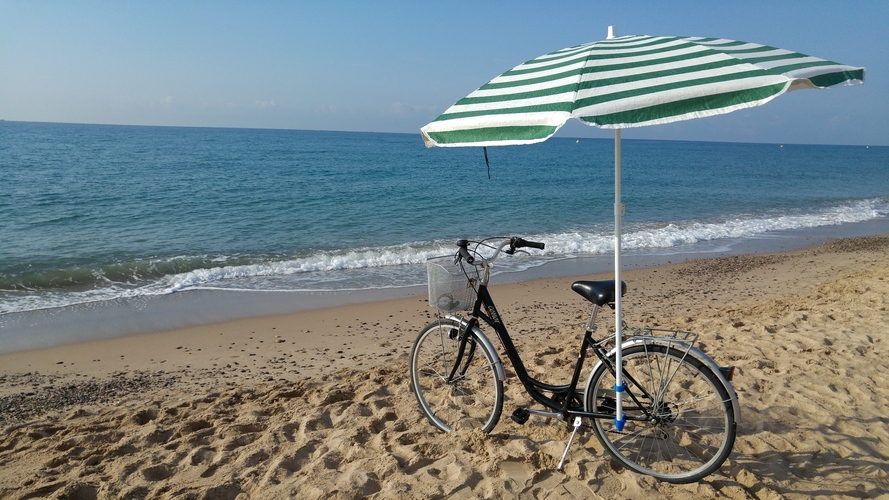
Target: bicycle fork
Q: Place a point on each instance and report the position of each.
(464, 341)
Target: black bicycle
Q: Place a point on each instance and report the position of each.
(679, 408)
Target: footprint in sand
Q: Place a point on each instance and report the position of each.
(157, 472)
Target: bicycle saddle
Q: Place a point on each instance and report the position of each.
(598, 292)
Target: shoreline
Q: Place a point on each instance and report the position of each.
(193, 308)
(362, 310)
(318, 403)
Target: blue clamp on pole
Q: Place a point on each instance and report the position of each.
(619, 422)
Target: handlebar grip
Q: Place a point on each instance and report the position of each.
(464, 252)
(520, 243)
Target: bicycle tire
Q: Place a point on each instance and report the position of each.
(694, 428)
(475, 398)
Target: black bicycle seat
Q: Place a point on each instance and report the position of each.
(598, 292)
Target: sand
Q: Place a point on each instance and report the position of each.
(318, 404)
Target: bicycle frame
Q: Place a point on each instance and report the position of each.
(535, 388)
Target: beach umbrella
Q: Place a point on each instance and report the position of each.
(623, 82)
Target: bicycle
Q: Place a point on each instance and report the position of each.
(680, 411)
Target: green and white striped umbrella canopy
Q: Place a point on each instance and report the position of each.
(629, 81)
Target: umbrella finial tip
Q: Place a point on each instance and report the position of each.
(611, 32)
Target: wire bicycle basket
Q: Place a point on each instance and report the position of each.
(452, 287)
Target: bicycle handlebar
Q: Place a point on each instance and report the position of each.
(513, 243)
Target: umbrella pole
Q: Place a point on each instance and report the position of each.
(619, 384)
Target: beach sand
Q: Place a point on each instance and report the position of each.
(318, 404)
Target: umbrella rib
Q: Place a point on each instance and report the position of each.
(698, 82)
(707, 105)
(556, 107)
(499, 84)
(679, 71)
(527, 69)
(735, 98)
(473, 99)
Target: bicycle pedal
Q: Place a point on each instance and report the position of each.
(520, 416)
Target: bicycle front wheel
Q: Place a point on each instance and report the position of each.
(473, 397)
(686, 424)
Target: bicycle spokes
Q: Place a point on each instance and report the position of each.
(681, 425)
(455, 390)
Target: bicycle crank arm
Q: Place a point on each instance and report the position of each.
(520, 415)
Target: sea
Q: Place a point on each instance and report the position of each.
(108, 230)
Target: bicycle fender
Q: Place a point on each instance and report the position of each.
(692, 351)
(498, 365)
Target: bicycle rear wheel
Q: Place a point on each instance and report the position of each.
(474, 398)
(690, 426)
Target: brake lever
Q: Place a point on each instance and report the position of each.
(513, 242)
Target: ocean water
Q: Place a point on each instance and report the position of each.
(92, 213)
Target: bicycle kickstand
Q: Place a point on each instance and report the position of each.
(570, 440)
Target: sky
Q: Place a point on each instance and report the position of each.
(387, 66)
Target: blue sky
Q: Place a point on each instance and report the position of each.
(390, 66)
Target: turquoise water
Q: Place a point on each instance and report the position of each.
(95, 213)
